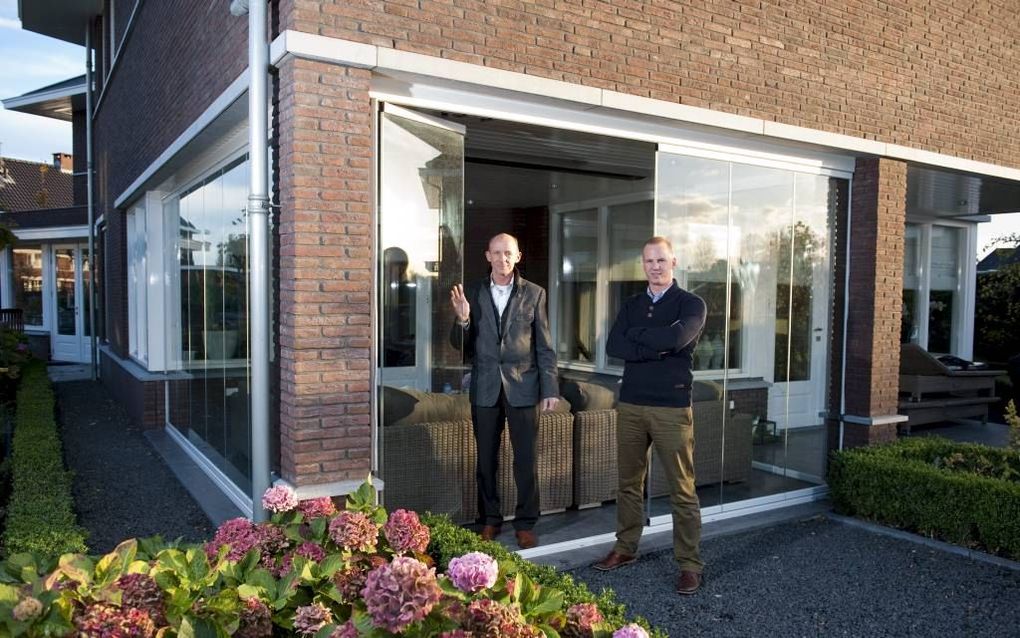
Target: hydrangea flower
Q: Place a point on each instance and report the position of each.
(346, 630)
(350, 580)
(140, 591)
(279, 499)
(311, 618)
(485, 618)
(311, 551)
(400, 593)
(317, 507)
(473, 572)
(256, 621)
(27, 609)
(405, 533)
(354, 531)
(581, 620)
(107, 621)
(455, 633)
(240, 533)
(632, 630)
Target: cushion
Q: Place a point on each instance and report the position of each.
(584, 395)
(407, 406)
(706, 391)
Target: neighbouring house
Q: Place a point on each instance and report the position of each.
(998, 258)
(819, 167)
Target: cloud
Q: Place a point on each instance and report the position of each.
(9, 23)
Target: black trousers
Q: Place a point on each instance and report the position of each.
(488, 429)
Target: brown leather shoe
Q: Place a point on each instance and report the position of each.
(614, 560)
(526, 539)
(688, 583)
(490, 532)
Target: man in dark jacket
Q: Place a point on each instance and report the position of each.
(504, 326)
(655, 334)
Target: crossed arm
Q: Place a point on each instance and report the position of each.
(647, 344)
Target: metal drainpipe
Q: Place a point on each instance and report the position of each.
(846, 312)
(91, 296)
(258, 266)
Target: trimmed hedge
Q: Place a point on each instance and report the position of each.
(963, 493)
(40, 513)
(449, 540)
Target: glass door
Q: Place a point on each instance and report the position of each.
(70, 303)
(424, 415)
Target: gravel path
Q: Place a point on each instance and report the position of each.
(122, 488)
(819, 577)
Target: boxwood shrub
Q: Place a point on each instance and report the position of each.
(963, 493)
(40, 512)
(449, 540)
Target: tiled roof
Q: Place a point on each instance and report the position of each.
(33, 186)
(999, 258)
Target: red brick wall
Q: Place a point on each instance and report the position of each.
(876, 290)
(325, 271)
(932, 74)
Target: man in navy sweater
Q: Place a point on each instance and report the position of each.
(655, 334)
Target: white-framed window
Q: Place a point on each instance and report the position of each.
(28, 283)
(939, 264)
(146, 281)
(138, 344)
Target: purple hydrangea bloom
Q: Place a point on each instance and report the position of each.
(400, 593)
(317, 507)
(473, 572)
(279, 499)
(346, 630)
(405, 533)
(581, 620)
(256, 620)
(107, 621)
(630, 631)
(311, 618)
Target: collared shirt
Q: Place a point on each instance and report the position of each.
(657, 296)
(500, 295)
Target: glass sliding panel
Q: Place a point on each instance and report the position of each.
(910, 325)
(27, 264)
(67, 299)
(422, 374)
(944, 302)
(86, 287)
(579, 233)
(630, 226)
(209, 399)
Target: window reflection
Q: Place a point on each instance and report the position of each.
(28, 283)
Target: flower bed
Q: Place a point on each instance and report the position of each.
(310, 571)
(40, 513)
(963, 493)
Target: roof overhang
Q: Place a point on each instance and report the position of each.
(935, 192)
(62, 19)
(58, 102)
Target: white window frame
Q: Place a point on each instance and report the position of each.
(146, 270)
(962, 344)
(7, 277)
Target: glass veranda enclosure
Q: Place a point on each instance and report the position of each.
(753, 240)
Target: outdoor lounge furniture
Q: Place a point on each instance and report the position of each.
(931, 391)
(429, 456)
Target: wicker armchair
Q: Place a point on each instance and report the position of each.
(431, 467)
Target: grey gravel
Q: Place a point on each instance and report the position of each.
(821, 578)
(122, 488)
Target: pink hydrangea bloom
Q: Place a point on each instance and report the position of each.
(632, 630)
(405, 533)
(240, 533)
(107, 621)
(354, 531)
(317, 507)
(256, 621)
(311, 551)
(279, 499)
(311, 618)
(346, 630)
(455, 633)
(140, 591)
(581, 620)
(400, 593)
(485, 618)
(473, 572)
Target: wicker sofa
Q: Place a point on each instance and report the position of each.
(595, 441)
(429, 456)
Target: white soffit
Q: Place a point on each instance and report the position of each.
(387, 61)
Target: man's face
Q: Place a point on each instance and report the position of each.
(503, 255)
(658, 261)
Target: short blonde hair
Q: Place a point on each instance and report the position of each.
(658, 239)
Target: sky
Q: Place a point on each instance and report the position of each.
(30, 61)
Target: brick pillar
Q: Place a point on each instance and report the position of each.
(325, 275)
(878, 217)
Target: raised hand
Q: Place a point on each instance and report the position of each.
(460, 303)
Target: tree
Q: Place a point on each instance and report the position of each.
(997, 309)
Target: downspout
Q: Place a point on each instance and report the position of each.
(846, 314)
(91, 296)
(258, 265)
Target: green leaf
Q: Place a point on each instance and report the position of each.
(192, 627)
(549, 631)
(549, 601)
(8, 594)
(330, 565)
(262, 579)
(318, 527)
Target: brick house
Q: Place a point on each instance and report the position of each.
(819, 168)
